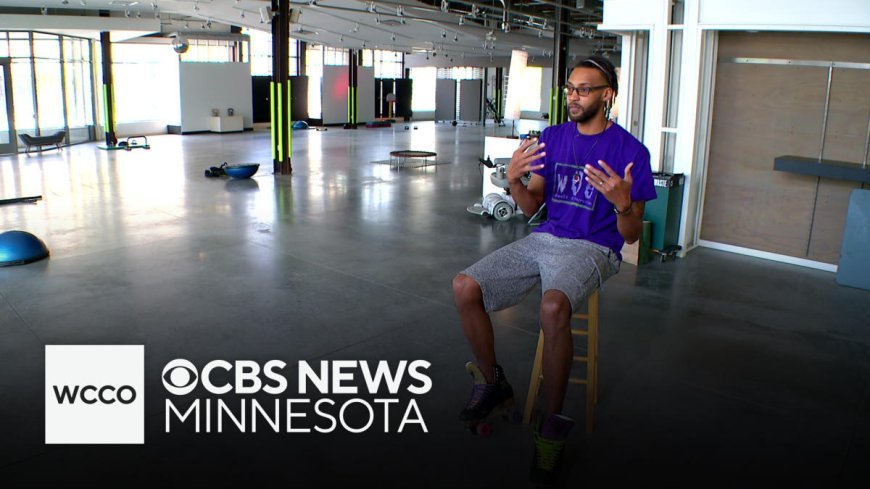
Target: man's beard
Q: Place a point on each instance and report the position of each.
(586, 113)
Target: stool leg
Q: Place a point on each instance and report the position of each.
(535, 380)
(592, 362)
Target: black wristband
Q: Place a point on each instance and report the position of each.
(625, 212)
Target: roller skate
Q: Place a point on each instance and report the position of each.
(549, 448)
(486, 400)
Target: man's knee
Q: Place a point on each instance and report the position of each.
(466, 290)
(555, 310)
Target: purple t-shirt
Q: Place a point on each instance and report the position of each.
(575, 209)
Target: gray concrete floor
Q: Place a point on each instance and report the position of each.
(717, 370)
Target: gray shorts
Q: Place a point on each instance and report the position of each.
(575, 267)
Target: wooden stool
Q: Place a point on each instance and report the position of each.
(591, 360)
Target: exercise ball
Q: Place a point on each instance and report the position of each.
(300, 125)
(242, 171)
(20, 247)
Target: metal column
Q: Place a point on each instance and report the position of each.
(558, 111)
(353, 59)
(498, 93)
(282, 144)
(108, 90)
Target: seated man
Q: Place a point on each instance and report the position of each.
(594, 177)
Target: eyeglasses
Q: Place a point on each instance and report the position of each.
(581, 91)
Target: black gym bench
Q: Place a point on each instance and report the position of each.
(39, 141)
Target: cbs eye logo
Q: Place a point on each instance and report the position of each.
(180, 377)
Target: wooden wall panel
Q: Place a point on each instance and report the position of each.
(795, 45)
(764, 111)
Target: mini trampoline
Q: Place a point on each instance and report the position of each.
(402, 157)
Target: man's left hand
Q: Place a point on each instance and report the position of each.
(614, 188)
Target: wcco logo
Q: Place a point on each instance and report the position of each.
(94, 394)
(91, 394)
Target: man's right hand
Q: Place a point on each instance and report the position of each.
(524, 161)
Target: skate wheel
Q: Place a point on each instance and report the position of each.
(483, 429)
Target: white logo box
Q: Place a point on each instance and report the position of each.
(111, 371)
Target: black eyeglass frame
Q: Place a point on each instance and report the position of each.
(581, 91)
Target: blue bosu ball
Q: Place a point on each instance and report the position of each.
(242, 171)
(20, 247)
(300, 125)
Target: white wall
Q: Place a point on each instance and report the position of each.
(365, 95)
(143, 128)
(334, 94)
(205, 86)
(791, 15)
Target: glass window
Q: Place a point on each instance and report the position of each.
(672, 94)
(49, 95)
(388, 64)
(423, 89)
(46, 46)
(146, 83)
(77, 76)
(335, 56)
(4, 45)
(22, 95)
(314, 70)
(532, 87)
(4, 120)
(261, 53)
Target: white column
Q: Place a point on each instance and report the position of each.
(687, 143)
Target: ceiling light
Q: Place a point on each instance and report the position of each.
(400, 11)
(44, 10)
(445, 6)
(371, 8)
(393, 37)
(461, 20)
(83, 3)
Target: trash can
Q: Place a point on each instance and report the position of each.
(664, 212)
